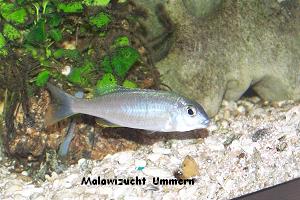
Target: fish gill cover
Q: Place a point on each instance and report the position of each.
(83, 46)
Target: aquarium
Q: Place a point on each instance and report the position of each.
(160, 99)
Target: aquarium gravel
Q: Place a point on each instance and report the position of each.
(252, 144)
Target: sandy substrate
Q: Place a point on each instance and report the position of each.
(251, 145)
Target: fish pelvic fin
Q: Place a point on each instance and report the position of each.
(61, 107)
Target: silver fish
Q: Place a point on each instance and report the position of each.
(146, 109)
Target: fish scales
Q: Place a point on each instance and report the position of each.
(133, 109)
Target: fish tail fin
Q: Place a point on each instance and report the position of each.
(61, 107)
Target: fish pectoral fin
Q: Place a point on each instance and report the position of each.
(104, 123)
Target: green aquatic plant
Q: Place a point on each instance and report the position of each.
(13, 14)
(56, 35)
(121, 42)
(123, 59)
(108, 81)
(11, 32)
(42, 78)
(2, 41)
(67, 53)
(43, 39)
(100, 20)
(129, 84)
(96, 2)
(37, 33)
(72, 7)
(80, 75)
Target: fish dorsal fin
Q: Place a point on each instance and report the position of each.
(104, 123)
(111, 89)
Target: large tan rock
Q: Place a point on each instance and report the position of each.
(241, 44)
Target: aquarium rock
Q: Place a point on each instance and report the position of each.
(239, 45)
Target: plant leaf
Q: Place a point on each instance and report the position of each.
(100, 20)
(108, 81)
(67, 53)
(72, 7)
(2, 41)
(54, 20)
(37, 34)
(11, 32)
(80, 75)
(10, 13)
(55, 34)
(129, 84)
(123, 59)
(96, 2)
(42, 78)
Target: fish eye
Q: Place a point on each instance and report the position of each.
(191, 111)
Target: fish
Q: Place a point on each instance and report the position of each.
(147, 109)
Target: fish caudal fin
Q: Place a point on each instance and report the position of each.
(61, 106)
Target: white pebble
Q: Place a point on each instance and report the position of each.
(161, 150)
(81, 161)
(235, 146)
(29, 190)
(241, 109)
(224, 124)
(66, 70)
(214, 144)
(70, 180)
(157, 172)
(154, 157)
(124, 157)
(228, 185)
(24, 173)
(140, 163)
(106, 191)
(54, 175)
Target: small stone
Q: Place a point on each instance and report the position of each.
(227, 114)
(255, 99)
(157, 172)
(124, 157)
(190, 167)
(48, 178)
(81, 161)
(235, 146)
(259, 112)
(212, 127)
(232, 105)
(54, 175)
(241, 109)
(281, 146)
(30, 190)
(161, 150)
(229, 140)
(224, 124)
(140, 164)
(13, 188)
(154, 157)
(175, 161)
(71, 179)
(259, 134)
(66, 70)
(68, 185)
(151, 187)
(214, 144)
(24, 173)
(228, 185)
